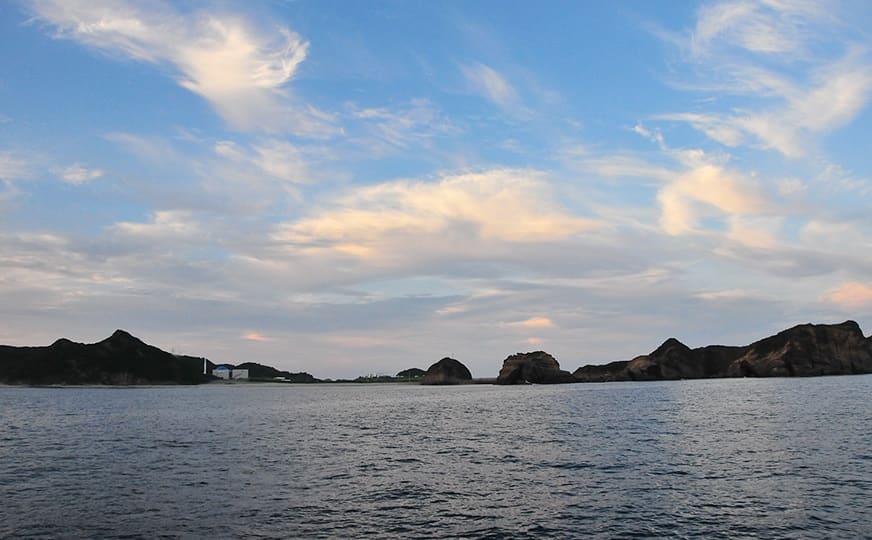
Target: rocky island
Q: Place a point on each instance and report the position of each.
(534, 368)
(122, 359)
(447, 371)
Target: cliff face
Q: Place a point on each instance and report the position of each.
(120, 359)
(614, 371)
(535, 367)
(447, 371)
(675, 360)
(807, 350)
(804, 350)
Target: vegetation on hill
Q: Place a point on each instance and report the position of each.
(120, 359)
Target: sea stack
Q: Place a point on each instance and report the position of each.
(533, 367)
(447, 371)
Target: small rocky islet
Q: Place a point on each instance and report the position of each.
(802, 351)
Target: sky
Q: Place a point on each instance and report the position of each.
(350, 188)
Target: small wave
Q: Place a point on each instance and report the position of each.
(572, 466)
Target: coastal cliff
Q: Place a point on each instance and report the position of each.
(802, 351)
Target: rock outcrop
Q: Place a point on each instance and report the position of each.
(121, 359)
(447, 371)
(534, 367)
(801, 351)
(807, 350)
(614, 371)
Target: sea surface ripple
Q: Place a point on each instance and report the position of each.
(737, 458)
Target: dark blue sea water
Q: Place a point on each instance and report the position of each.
(743, 458)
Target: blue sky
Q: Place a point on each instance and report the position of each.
(360, 187)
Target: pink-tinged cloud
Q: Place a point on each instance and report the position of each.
(535, 322)
(254, 336)
(851, 294)
(534, 341)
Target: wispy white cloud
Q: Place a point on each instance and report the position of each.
(769, 27)
(167, 226)
(755, 231)
(240, 176)
(836, 237)
(274, 158)
(715, 126)
(839, 179)
(403, 126)
(242, 70)
(155, 149)
(654, 136)
(840, 93)
(385, 130)
(78, 174)
(834, 97)
(771, 52)
(624, 165)
(490, 84)
(731, 295)
(710, 187)
(788, 187)
(13, 166)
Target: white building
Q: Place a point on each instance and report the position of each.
(224, 372)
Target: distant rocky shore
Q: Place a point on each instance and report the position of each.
(122, 359)
(805, 350)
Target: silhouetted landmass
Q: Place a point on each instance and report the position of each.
(534, 367)
(120, 359)
(407, 375)
(447, 371)
(802, 351)
(411, 373)
(260, 372)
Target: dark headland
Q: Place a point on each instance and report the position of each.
(805, 350)
(120, 359)
(802, 351)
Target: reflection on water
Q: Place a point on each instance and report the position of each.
(728, 458)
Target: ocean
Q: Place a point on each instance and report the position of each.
(729, 458)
